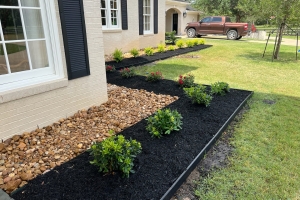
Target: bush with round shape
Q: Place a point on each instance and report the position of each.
(118, 55)
(149, 51)
(219, 88)
(161, 48)
(186, 81)
(127, 72)
(198, 95)
(134, 52)
(154, 76)
(180, 43)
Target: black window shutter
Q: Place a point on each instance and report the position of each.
(74, 34)
(124, 14)
(155, 16)
(141, 19)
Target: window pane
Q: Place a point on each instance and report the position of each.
(11, 24)
(17, 57)
(33, 23)
(38, 52)
(114, 21)
(115, 4)
(30, 3)
(103, 4)
(3, 65)
(113, 13)
(8, 2)
(111, 4)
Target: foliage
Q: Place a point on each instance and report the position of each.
(186, 81)
(161, 48)
(134, 52)
(118, 55)
(164, 122)
(190, 43)
(171, 48)
(220, 88)
(149, 51)
(196, 42)
(180, 43)
(154, 76)
(127, 72)
(110, 68)
(115, 153)
(201, 41)
(171, 36)
(198, 95)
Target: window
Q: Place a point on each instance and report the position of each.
(110, 14)
(148, 16)
(27, 42)
(216, 20)
(206, 20)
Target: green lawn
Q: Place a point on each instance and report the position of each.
(265, 163)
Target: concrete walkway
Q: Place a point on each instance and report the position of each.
(4, 195)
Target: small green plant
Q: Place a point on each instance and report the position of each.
(154, 76)
(198, 95)
(201, 41)
(149, 51)
(161, 48)
(110, 68)
(180, 43)
(134, 52)
(186, 81)
(127, 72)
(118, 55)
(164, 122)
(196, 42)
(220, 88)
(189, 43)
(170, 36)
(115, 153)
(171, 48)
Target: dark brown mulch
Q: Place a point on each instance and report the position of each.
(157, 167)
(142, 60)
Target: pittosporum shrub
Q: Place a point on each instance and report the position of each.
(198, 95)
(110, 68)
(161, 48)
(196, 42)
(171, 48)
(164, 122)
(189, 43)
(127, 72)
(180, 43)
(115, 154)
(220, 88)
(134, 52)
(186, 81)
(149, 51)
(201, 41)
(154, 76)
(118, 55)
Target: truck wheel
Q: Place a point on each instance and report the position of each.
(191, 33)
(232, 35)
(239, 37)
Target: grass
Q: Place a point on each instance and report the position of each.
(265, 163)
(12, 48)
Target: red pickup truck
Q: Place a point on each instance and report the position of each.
(218, 25)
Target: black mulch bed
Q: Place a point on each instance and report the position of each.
(158, 166)
(142, 60)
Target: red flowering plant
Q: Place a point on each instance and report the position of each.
(186, 81)
(110, 68)
(154, 76)
(127, 72)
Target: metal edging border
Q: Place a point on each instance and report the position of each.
(171, 191)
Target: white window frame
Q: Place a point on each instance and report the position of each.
(108, 16)
(150, 31)
(55, 70)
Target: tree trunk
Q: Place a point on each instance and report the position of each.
(279, 39)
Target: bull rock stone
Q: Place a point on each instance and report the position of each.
(26, 176)
(12, 185)
(2, 146)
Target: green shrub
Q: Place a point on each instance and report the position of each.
(154, 76)
(149, 51)
(171, 36)
(164, 122)
(134, 52)
(118, 55)
(186, 81)
(198, 95)
(110, 68)
(189, 43)
(115, 153)
(161, 48)
(171, 48)
(196, 42)
(220, 88)
(127, 72)
(180, 43)
(201, 41)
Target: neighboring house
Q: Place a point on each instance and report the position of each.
(178, 14)
(51, 61)
(131, 24)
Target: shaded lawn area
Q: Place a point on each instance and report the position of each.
(265, 163)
